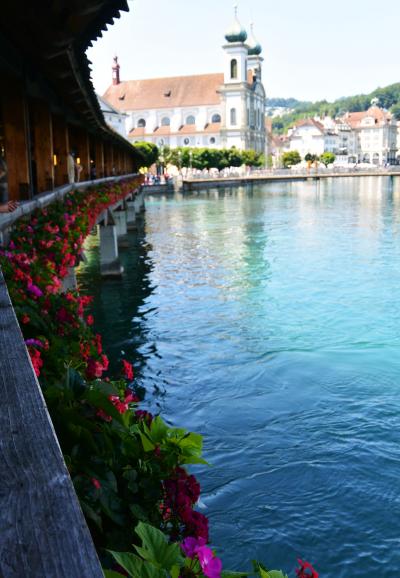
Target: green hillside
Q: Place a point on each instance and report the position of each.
(389, 98)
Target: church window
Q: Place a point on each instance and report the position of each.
(234, 68)
(212, 140)
(165, 121)
(141, 122)
(233, 116)
(216, 118)
(186, 141)
(190, 120)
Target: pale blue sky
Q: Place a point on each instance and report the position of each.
(313, 49)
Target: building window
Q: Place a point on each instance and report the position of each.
(212, 140)
(190, 120)
(233, 115)
(161, 142)
(234, 68)
(216, 118)
(165, 121)
(186, 141)
(141, 122)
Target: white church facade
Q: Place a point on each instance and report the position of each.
(207, 110)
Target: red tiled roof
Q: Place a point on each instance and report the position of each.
(201, 89)
(378, 114)
(138, 131)
(212, 127)
(161, 130)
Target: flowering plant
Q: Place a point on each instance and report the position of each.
(127, 466)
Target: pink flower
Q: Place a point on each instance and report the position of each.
(89, 320)
(96, 483)
(34, 289)
(210, 565)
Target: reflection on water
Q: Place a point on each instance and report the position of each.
(268, 317)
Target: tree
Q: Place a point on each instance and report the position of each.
(291, 158)
(149, 152)
(327, 158)
(310, 158)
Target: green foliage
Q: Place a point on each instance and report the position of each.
(310, 158)
(291, 158)
(212, 158)
(148, 151)
(327, 158)
(389, 98)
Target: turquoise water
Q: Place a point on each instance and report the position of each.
(268, 319)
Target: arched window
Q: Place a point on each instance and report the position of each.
(141, 122)
(234, 68)
(190, 120)
(216, 118)
(165, 121)
(233, 115)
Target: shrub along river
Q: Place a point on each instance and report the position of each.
(268, 320)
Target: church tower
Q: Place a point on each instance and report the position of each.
(115, 71)
(234, 89)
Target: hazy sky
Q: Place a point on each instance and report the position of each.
(313, 49)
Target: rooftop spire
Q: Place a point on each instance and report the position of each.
(236, 32)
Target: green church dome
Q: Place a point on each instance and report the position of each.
(254, 46)
(236, 32)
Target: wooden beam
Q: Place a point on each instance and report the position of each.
(14, 108)
(42, 529)
(99, 149)
(41, 125)
(60, 149)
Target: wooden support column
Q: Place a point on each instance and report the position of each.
(107, 165)
(83, 153)
(60, 149)
(112, 160)
(99, 148)
(43, 151)
(14, 109)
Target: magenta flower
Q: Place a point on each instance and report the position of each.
(190, 546)
(34, 289)
(210, 565)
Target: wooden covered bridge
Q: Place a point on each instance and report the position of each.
(47, 108)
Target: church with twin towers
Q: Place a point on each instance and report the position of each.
(219, 110)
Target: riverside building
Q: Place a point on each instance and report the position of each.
(218, 110)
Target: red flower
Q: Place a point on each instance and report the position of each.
(127, 369)
(25, 318)
(301, 572)
(96, 483)
(89, 320)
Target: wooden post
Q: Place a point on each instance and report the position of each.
(99, 147)
(42, 529)
(83, 152)
(43, 149)
(60, 149)
(15, 137)
(112, 160)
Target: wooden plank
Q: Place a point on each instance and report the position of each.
(43, 145)
(15, 138)
(43, 533)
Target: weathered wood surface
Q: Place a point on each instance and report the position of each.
(43, 533)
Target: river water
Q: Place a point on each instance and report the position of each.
(268, 320)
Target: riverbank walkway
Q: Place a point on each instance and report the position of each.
(199, 180)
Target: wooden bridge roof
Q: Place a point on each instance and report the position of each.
(45, 43)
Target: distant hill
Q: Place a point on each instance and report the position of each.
(389, 98)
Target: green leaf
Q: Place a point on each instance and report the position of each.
(112, 574)
(175, 570)
(136, 567)
(155, 548)
(148, 446)
(276, 574)
(229, 574)
(158, 429)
